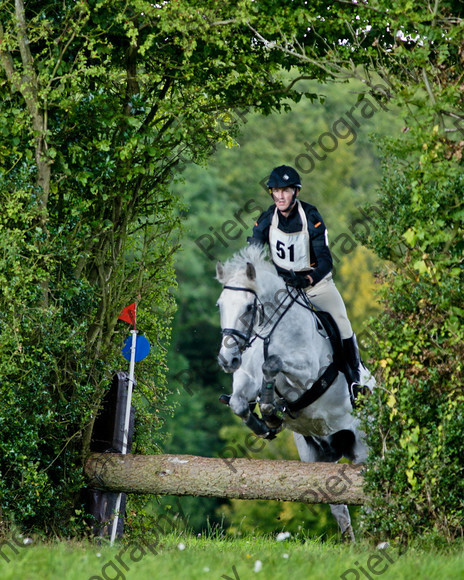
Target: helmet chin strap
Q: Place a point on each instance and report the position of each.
(295, 192)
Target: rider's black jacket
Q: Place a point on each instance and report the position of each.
(320, 254)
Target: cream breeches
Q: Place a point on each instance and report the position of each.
(325, 296)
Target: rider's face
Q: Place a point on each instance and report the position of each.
(283, 197)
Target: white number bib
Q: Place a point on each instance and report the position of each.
(290, 251)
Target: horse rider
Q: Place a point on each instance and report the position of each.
(298, 243)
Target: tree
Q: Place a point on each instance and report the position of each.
(102, 102)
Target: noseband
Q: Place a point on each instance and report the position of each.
(238, 334)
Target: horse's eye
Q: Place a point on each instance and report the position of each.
(249, 307)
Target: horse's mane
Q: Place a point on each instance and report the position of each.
(256, 254)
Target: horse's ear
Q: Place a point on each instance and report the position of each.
(250, 271)
(219, 271)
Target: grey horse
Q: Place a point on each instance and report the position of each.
(280, 355)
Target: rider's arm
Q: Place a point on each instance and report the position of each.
(261, 228)
(320, 252)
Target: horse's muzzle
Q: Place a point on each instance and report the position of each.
(229, 362)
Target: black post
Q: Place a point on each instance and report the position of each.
(107, 437)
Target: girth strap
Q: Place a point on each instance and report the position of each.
(316, 391)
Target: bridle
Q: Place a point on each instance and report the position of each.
(246, 338)
(257, 307)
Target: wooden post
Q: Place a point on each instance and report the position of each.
(229, 478)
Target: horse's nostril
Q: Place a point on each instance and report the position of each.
(229, 365)
(235, 362)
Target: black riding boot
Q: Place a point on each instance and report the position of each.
(352, 360)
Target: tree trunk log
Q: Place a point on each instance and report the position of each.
(229, 478)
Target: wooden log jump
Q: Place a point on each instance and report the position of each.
(237, 478)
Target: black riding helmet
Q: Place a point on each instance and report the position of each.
(284, 176)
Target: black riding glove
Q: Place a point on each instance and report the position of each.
(297, 281)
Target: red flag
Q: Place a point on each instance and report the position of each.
(128, 314)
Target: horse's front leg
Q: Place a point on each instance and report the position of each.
(244, 387)
(267, 403)
(360, 450)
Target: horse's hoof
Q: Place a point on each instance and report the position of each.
(273, 422)
(348, 536)
(224, 399)
(267, 409)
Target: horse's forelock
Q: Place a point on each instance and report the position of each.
(253, 254)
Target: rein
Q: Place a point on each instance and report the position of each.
(267, 339)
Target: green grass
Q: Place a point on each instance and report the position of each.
(205, 559)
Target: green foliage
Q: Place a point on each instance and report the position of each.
(416, 439)
(415, 421)
(101, 102)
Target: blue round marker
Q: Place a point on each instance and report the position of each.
(142, 348)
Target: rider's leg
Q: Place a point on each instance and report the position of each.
(352, 359)
(326, 297)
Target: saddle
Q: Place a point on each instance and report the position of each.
(329, 329)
